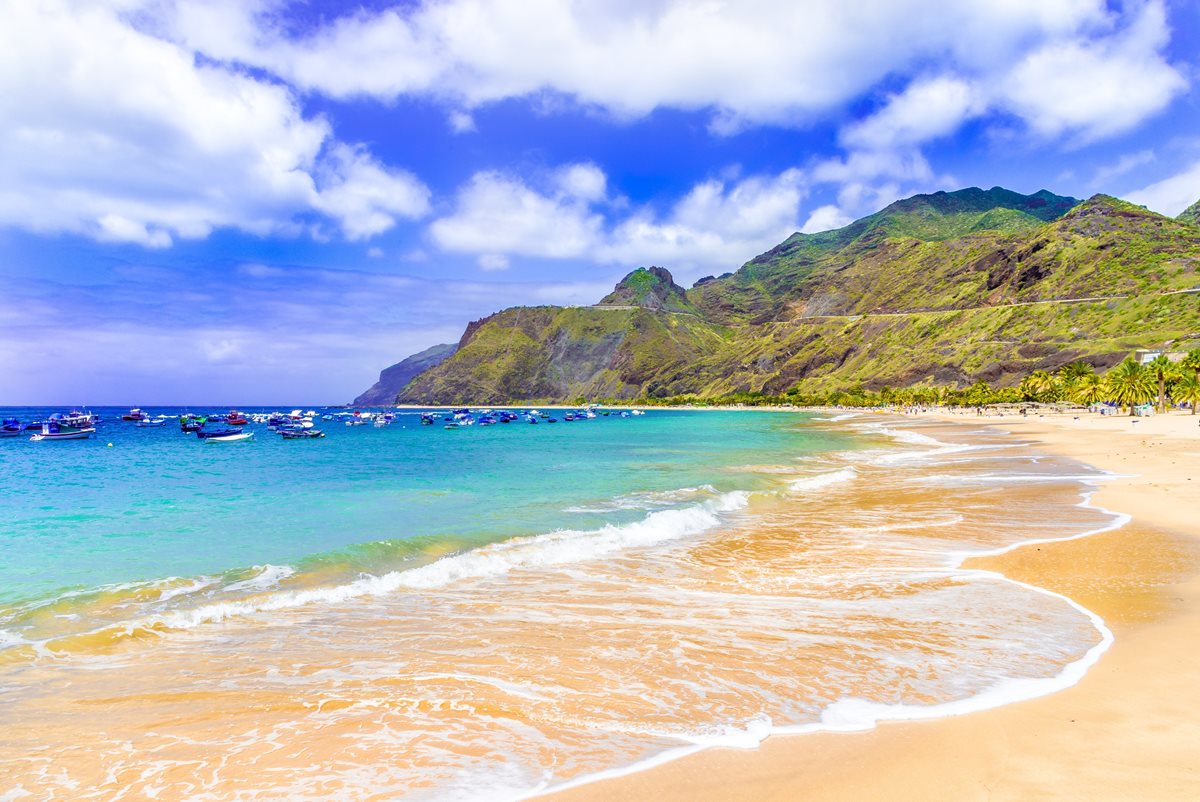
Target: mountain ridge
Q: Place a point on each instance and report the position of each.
(951, 287)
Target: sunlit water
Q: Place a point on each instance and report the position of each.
(418, 613)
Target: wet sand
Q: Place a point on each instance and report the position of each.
(1128, 730)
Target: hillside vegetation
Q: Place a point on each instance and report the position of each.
(948, 288)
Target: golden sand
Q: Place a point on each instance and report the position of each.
(1129, 730)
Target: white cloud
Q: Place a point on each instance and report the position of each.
(926, 110)
(1122, 166)
(1094, 88)
(746, 63)
(493, 261)
(1171, 195)
(461, 122)
(364, 196)
(716, 225)
(825, 218)
(584, 181)
(112, 133)
(500, 214)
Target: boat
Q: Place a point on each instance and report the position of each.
(235, 418)
(160, 420)
(191, 423)
(300, 434)
(11, 427)
(55, 428)
(215, 433)
(236, 437)
(134, 414)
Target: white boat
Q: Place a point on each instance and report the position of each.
(230, 438)
(56, 430)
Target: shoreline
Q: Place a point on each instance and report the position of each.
(999, 752)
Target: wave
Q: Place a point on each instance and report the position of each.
(851, 714)
(823, 480)
(561, 547)
(647, 500)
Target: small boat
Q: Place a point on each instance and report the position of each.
(301, 434)
(191, 423)
(212, 434)
(134, 414)
(235, 418)
(56, 429)
(160, 420)
(450, 426)
(237, 437)
(11, 428)
(427, 419)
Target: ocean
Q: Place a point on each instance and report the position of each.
(411, 612)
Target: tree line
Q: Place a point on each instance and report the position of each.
(1127, 385)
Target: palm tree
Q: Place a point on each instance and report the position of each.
(1192, 362)
(1087, 389)
(1076, 370)
(1162, 369)
(1129, 384)
(1187, 389)
(1038, 386)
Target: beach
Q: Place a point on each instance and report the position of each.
(657, 637)
(1127, 730)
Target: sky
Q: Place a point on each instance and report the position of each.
(268, 202)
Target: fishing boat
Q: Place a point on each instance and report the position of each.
(235, 418)
(211, 434)
(55, 428)
(301, 434)
(191, 423)
(134, 414)
(237, 437)
(11, 427)
(158, 420)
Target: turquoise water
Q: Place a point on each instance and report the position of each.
(411, 612)
(158, 503)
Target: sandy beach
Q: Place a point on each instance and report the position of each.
(1128, 730)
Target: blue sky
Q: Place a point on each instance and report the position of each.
(259, 201)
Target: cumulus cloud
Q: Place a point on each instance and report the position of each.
(1094, 88)
(825, 218)
(746, 63)
(1171, 196)
(115, 134)
(567, 215)
(364, 196)
(500, 214)
(926, 110)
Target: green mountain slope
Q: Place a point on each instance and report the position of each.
(947, 288)
(1191, 214)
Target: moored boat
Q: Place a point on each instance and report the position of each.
(301, 434)
(240, 437)
(134, 414)
(11, 428)
(55, 428)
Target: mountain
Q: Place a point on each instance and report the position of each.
(1191, 214)
(392, 380)
(649, 288)
(951, 287)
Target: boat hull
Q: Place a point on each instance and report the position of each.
(230, 438)
(82, 434)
